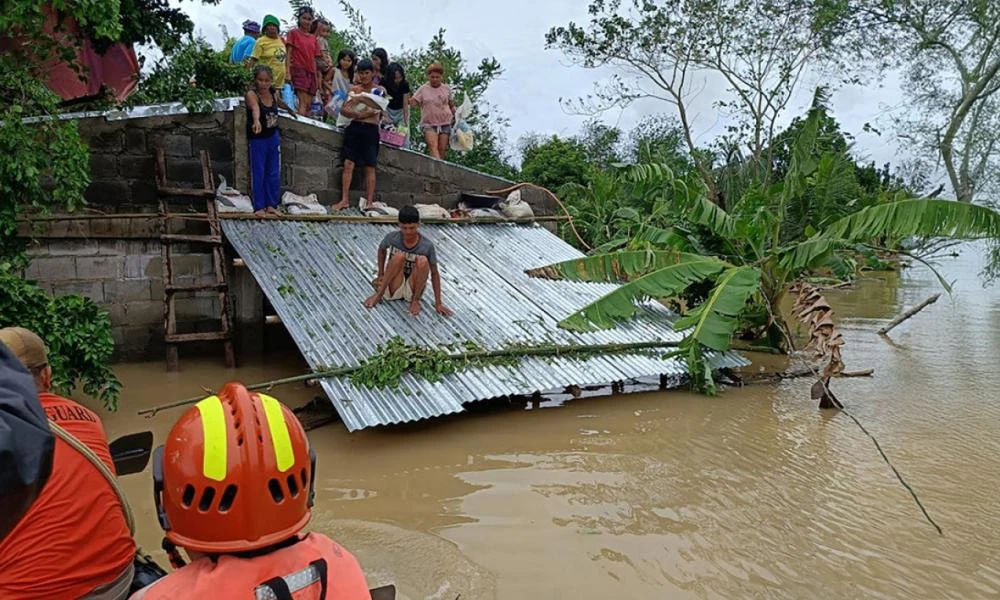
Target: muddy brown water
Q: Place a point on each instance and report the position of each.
(754, 493)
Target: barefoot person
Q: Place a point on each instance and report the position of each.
(361, 137)
(411, 258)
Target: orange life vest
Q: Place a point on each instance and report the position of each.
(314, 568)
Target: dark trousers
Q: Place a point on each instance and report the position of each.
(265, 171)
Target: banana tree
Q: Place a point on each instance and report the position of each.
(748, 255)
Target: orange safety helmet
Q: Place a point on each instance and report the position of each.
(235, 475)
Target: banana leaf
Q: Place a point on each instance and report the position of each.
(714, 320)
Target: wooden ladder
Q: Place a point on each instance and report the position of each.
(213, 240)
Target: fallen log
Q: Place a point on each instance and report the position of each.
(908, 314)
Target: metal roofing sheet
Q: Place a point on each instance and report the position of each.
(316, 275)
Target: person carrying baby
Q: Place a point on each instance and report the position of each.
(364, 108)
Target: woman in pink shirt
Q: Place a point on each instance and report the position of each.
(437, 110)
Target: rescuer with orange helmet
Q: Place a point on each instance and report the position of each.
(233, 486)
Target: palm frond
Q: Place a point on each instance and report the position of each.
(711, 215)
(714, 320)
(615, 267)
(808, 254)
(926, 217)
(612, 308)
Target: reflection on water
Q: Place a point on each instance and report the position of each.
(754, 493)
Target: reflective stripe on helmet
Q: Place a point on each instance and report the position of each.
(213, 427)
(283, 453)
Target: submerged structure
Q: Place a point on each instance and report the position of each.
(317, 273)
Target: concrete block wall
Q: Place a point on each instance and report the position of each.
(310, 156)
(125, 277)
(116, 261)
(122, 163)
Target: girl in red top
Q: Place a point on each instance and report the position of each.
(303, 50)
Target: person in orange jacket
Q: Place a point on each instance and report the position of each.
(74, 541)
(233, 486)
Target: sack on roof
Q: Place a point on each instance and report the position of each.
(302, 205)
(230, 200)
(513, 207)
(432, 211)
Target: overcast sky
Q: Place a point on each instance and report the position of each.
(534, 78)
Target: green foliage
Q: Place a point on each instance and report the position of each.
(769, 237)
(395, 358)
(46, 167)
(554, 162)
(195, 74)
(77, 332)
(45, 161)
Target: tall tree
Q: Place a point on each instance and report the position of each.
(950, 53)
(759, 49)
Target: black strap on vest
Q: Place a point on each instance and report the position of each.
(320, 566)
(279, 586)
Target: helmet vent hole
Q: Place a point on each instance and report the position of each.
(188, 498)
(227, 498)
(276, 493)
(206, 499)
(305, 479)
(239, 440)
(237, 423)
(293, 486)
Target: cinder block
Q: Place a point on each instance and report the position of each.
(100, 267)
(218, 146)
(310, 178)
(116, 312)
(145, 266)
(52, 269)
(71, 248)
(191, 265)
(185, 173)
(176, 145)
(289, 150)
(103, 139)
(145, 312)
(313, 155)
(89, 289)
(107, 192)
(135, 141)
(137, 167)
(144, 192)
(143, 227)
(125, 291)
(103, 166)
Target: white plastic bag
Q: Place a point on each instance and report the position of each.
(229, 200)
(462, 138)
(302, 205)
(513, 207)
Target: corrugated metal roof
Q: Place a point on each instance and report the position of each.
(316, 274)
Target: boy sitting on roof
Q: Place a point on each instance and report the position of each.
(411, 258)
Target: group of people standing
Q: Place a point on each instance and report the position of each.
(303, 59)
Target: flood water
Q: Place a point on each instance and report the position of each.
(754, 493)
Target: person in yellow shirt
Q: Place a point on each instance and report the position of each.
(270, 50)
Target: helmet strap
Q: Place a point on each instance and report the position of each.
(176, 560)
